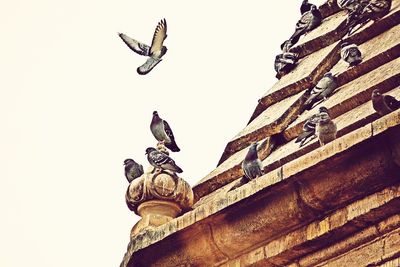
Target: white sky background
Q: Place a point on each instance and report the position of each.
(72, 108)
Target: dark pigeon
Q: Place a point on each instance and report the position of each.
(163, 132)
(161, 161)
(322, 90)
(305, 6)
(384, 104)
(154, 52)
(251, 164)
(133, 169)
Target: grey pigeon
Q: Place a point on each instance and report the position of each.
(322, 90)
(308, 21)
(305, 6)
(284, 63)
(133, 169)
(154, 52)
(384, 104)
(251, 164)
(326, 129)
(366, 11)
(308, 132)
(163, 133)
(161, 161)
(350, 53)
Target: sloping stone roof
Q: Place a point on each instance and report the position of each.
(314, 203)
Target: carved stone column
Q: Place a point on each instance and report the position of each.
(158, 197)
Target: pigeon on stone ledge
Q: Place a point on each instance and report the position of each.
(350, 53)
(163, 133)
(349, 5)
(251, 164)
(322, 90)
(161, 161)
(154, 52)
(384, 104)
(309, 127)
(133, 169)
(308, 21)
(284, 63)
(326, 129)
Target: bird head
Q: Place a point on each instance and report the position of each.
(328, 74)
(323, 109)
(155, 113)
(128, 161)
(149, 149)
(376, 93)
(313, 8)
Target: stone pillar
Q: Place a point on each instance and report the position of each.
(158, 197)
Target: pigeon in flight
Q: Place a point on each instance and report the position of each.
(326, 129)
(154, 52)
(322, 90)
(305, 6)
(308, 133)
(284, 63)
(384, 104)
(161, 161)
(350, 53)
(133, 170)
(308, 21)
(251, 164)
(163, 133)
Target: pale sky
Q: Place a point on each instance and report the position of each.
(72, 108)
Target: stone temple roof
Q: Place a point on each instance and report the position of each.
(310, 197)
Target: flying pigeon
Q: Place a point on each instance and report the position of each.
(161, 161)
(350, 53)
(368, 10)
(154, 52)
(308, 21)
(326, 129)
(322, 90)
(309, 127)
(163, 133)
(133, 170)
(284, 63)
(384, 104)
(305, 6)
(251, 164)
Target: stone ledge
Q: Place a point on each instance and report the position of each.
(269, 187)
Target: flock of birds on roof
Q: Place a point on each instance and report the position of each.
(319, 125)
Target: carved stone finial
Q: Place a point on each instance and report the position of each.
(158, 197)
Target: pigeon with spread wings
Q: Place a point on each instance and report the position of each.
(154, 52)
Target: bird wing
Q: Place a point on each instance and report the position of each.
(168, 130)
(391, 102)
(160, 158)
(159, 36)
(148, 65)
(138, 47)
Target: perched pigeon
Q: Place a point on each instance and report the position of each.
(305, 6)
(366, 11)
(384, 104)
(350, 53)
(308, 21)
(155, 52)
(251, 164)
(133, 170)
(163, 133)
(284, 63)
(309, 127)
(322, 90)
(161, 161)
(326, 129)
